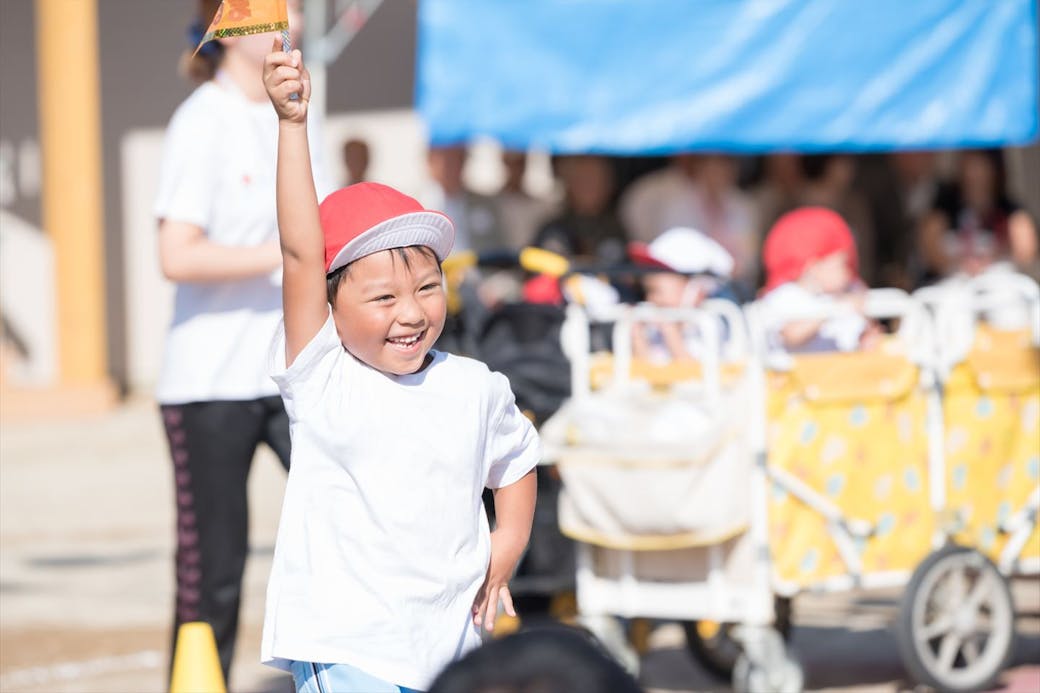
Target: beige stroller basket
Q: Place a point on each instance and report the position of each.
(660, 489)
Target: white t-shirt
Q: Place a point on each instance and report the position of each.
(792, 301)
(383, 540)
(218, 173)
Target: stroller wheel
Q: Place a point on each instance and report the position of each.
(713, 646)
(956, 621)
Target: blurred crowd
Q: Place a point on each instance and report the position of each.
(914, 221)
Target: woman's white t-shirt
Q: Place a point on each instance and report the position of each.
(218, 173)
(383, 541)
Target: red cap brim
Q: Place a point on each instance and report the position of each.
(639, 252)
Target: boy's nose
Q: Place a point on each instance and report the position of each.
(410, 312)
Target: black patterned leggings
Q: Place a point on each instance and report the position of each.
(212, 446)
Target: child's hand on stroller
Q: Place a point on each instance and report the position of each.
(505, 553)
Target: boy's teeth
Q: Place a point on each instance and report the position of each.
(406, 340)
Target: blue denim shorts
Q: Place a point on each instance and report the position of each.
(311, 677)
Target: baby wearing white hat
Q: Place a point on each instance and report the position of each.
(685, 267)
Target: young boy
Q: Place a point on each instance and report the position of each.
(384, 567)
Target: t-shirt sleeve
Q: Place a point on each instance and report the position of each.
(187, 174)
(301, 384)
(513, 447)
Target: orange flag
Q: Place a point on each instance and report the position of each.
(245, 17)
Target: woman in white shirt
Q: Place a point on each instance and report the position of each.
(218, 240)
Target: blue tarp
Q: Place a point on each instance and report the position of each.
(659, 76)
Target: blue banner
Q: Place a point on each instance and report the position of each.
(660, 76)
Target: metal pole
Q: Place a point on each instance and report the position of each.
(314, 18)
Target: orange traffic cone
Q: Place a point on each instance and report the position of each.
(196, 665)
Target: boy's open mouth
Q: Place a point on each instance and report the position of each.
(409, 343)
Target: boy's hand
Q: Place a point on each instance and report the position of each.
(505, 553)
(284, 76)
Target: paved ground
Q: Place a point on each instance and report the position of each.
(86, 530)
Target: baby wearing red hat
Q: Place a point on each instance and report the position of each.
(812, 268)
(384, 567)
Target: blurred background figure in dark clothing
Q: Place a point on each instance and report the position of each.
(587, 227)
(829, 183)
(974, 224)
(779, 190)
(900, 188)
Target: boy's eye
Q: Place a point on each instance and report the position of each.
(384, 298)
(430, 287)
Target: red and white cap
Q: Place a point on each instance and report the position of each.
(364, 218)
(684, 251)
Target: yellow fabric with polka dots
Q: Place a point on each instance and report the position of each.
(852, 428)
(992, 440)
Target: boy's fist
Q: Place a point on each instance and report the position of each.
(284, 77)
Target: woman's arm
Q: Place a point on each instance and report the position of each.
(187, 255)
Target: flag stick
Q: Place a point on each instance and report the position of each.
(286, 47)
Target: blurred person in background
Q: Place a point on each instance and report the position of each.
(899, 187)
(829, 183)
(477, 225)
(811, 267)
(587, 227)
(548, 660)
(521, 213)
(974, 225)
(698, 191)
(355, 160)
(778, 191)
(218, 241)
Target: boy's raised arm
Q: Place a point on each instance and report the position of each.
(304, 299)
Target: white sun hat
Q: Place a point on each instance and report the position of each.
(683, 250)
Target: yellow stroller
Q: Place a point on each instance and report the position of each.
(956, 623)
(660, 487)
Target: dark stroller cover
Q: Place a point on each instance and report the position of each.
(522, 341)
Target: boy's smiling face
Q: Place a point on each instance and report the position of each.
(390, 308)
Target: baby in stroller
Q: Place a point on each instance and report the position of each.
(812, 269)
(683, 268)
